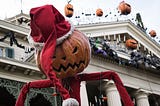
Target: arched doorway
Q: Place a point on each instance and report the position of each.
(6, 99)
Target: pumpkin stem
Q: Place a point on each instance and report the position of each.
(69, 1)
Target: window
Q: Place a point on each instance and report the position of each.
(1, 52)
(9, 52)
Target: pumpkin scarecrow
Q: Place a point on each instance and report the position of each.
(65, 53)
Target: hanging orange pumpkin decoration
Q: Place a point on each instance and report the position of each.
(131, 44)
(152, 33)
(99, 12)
(72, 56)
(68, 9)
(124, 8)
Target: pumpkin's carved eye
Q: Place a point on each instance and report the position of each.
(75, 50)
(64, 58)
(133, 43)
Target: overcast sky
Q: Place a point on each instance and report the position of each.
(149, 9)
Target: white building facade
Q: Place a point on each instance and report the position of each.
(17, 65)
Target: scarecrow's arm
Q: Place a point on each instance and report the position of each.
(35, 84)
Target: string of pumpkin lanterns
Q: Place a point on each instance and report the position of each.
(123, 8)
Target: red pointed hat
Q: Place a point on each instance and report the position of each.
(45, 21)
(47, 26)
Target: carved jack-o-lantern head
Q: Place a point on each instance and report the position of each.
(68, 9)
(72, 56)
(124, 8)
(99, 12)
(131, 44)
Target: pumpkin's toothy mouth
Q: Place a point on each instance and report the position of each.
(69, 65)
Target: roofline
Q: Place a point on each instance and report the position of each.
(13, 27)
(109, 28)
(119, 27)
(18, 16)
(144, 39)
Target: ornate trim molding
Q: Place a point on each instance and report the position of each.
(14, 87)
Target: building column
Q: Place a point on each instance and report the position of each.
(141, 98)
(113, 97)
(83, 94)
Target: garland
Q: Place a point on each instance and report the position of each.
(102, 48)
(13, 40)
